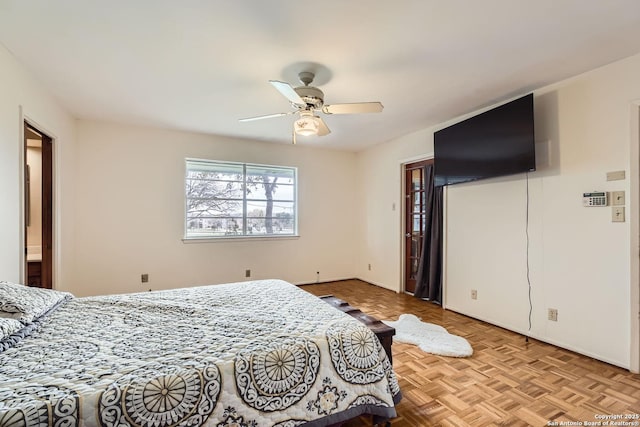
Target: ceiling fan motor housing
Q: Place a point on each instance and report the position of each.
(312, 96)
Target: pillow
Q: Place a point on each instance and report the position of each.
(12, 332)
(9, 327)
(28, 304)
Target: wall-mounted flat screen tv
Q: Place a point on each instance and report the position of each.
(494, 143)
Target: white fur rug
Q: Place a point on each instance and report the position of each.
(429, 337)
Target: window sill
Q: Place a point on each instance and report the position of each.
(226, 239)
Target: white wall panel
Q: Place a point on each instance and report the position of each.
(579, 260)
(22, 97)
(130, 213)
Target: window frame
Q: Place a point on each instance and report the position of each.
(244, 235)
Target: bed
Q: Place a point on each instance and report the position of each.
(258, 353)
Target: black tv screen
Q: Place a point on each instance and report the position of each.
(494, 143)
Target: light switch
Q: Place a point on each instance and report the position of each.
(617, 198)
(617, 214)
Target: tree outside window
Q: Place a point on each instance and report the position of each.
(228, 199)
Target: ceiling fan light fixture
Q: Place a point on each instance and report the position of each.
(307, 124)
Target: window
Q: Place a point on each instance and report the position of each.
(227, 199)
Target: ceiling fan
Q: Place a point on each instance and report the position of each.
(307, 100)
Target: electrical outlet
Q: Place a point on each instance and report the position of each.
(247, 273)
(474, 294)
(553, 314)
(369, 267)
(144, 278)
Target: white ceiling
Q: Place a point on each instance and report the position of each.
(200, 65)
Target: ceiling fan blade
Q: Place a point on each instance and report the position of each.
(267, 116)
(353, 108)
(323, 129)
(288, 92)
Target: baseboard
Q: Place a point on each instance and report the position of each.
(542, 339)
(380, 285)
(324, 281)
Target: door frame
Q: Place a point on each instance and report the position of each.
(410, 219)
(634, 234)
(26, 120)
(403, 215)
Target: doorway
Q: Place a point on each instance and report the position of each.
(416, 217)
(38, 209)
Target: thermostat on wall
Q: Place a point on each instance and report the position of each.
(596, 198)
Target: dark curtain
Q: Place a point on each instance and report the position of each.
(429, 278)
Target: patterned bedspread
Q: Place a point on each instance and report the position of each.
(260, 353)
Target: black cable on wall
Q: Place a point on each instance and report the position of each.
(528, 269)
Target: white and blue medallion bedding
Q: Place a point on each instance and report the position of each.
(250, 354)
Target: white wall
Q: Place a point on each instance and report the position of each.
(579, 260)
(380, 207)
(19, 90)
(130, 212)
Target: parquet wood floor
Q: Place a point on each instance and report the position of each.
(507, 381)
